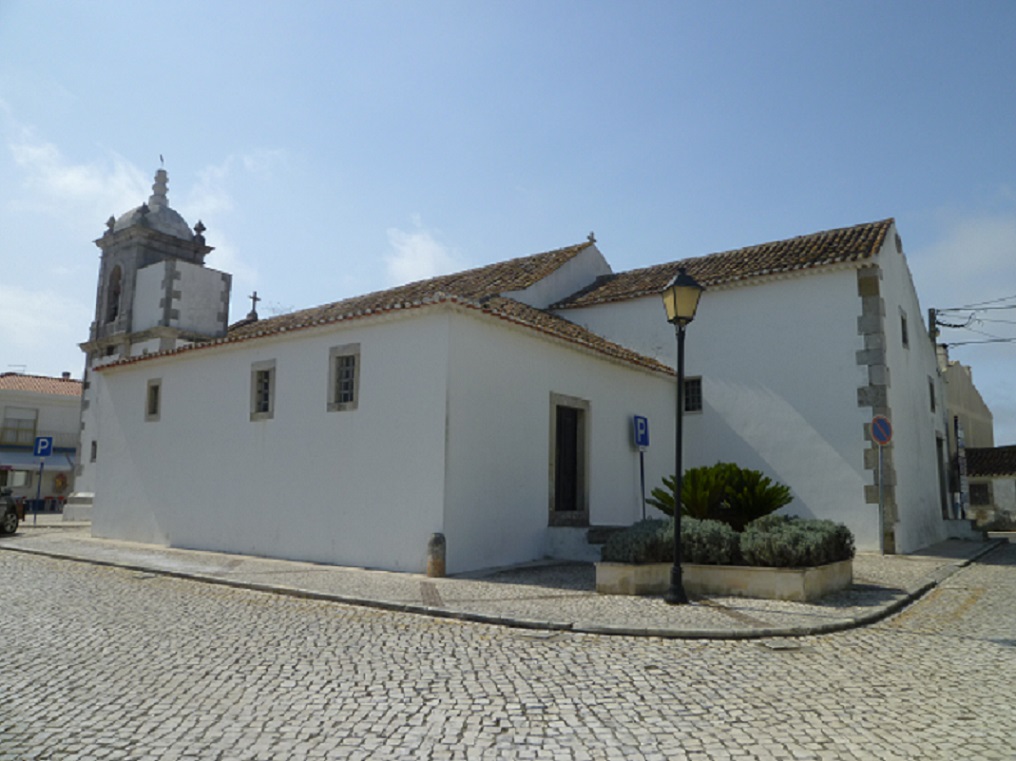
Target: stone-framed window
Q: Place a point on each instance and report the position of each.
(153, 399)
(693, 394)
(343, 377)
(262, 390)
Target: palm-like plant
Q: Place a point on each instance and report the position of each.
(723, 492)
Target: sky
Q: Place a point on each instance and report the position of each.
(336, 148)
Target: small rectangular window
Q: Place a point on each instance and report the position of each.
(903, 329)
(692, 394)
(980, 494)
(95, 451)
(931, 393)
(343, 377)
(153, 400)
(262, 390)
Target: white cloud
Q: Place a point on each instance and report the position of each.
(970, 262)
(82, 195)
(416, 255)
(211, 196)
(42, 329)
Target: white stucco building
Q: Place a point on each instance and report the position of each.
(495, 406)
(797, 345)
(31, 406)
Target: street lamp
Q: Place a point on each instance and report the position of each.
(680, 298)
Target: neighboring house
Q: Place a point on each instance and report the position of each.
(494, 406)
(796, 346)
(992, 475)
(966, 407)
(31, 406)
(971, 425)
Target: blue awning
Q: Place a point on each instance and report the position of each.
(21, 460)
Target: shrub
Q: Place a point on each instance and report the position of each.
(644, 542)
(723, 492)
(709, 542)
(776, 541)
(652, 541)
(788, 542)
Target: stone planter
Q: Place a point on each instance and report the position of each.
(796, 584)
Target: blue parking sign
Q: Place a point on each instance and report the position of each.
(43, 446)
(641, 431)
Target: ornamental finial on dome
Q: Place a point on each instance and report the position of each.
(158, 198)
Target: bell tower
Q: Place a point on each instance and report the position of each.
(154, 294)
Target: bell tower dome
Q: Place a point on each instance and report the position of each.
(154, 294)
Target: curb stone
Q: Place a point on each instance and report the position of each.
(910, 595)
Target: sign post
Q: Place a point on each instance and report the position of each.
(43, 449)
(882, 433)
(641, 430)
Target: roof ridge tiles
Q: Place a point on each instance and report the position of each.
(801, 252)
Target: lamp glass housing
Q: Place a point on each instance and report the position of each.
(681, 298)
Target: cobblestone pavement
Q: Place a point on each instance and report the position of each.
(558, 596)
(108, 663)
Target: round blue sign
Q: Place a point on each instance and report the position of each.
(881, 430)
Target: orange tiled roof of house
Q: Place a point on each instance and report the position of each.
(478, 289)
(846, 244)
(40, 384)
(991, 461)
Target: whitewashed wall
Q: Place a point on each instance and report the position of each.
(149, 288)
(451, 434)
(202, 301)
(1004, 493)
(915, 425)
(780, 379)
(202, 297)
(574, 275)
(361, 487)
(498, 490)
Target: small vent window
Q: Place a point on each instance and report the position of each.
(262, 390)
(692, 394)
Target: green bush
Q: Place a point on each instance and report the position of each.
(724, 492)
(643, 542)
(788, 542)
(709, 542)
(775, 541)
(652, 541)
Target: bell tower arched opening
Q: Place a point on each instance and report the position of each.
(114, 288)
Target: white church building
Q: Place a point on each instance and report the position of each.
(495, 406)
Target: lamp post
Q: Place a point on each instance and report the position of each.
(680, 298)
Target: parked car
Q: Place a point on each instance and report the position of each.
(9, 520)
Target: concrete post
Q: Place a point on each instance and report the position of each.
(436, 555)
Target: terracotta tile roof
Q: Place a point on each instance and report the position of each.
(991, 461)
(474, 284)
(39, 384)
(478, 289)
(847, 244)
(538, 319)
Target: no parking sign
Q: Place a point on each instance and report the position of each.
(881, 430)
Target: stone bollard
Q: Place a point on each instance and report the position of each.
(436, 555)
